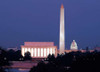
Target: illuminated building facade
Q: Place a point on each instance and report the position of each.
(14, 49)
(62, 31)
(39, 49)
(97, 49)
(74, 45)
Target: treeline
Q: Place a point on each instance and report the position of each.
(11, 55)
(3, 60)
(70, 62)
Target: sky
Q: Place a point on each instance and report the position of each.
(39, 21)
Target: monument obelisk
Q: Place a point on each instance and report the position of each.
(62, 31)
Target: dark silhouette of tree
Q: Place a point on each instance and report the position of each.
(50, 67)
(14, 55)
(71, 62)
(18, 56)
(27, 56)
(3, 59)
(11, 55)
(51, 58)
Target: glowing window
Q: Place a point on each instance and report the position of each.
(41, 52)
(38, 52)
(47, 51)
(35, 52)
(51, 51)
(44, 52)
(32, 52)
(23, 51)
(29, 50)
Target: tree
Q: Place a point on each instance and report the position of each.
(27, 56)
(11, 55)
(18, 56)
(3, 59)
(51, 58)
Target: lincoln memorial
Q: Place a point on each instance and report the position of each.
(39, 49)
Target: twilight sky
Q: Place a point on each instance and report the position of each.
(38, 20)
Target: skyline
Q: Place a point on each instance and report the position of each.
(22, 21)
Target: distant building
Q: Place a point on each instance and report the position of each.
(74, 45)
(39, 49)
(15, 49)
(97, 48)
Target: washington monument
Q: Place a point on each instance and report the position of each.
(62, 31)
